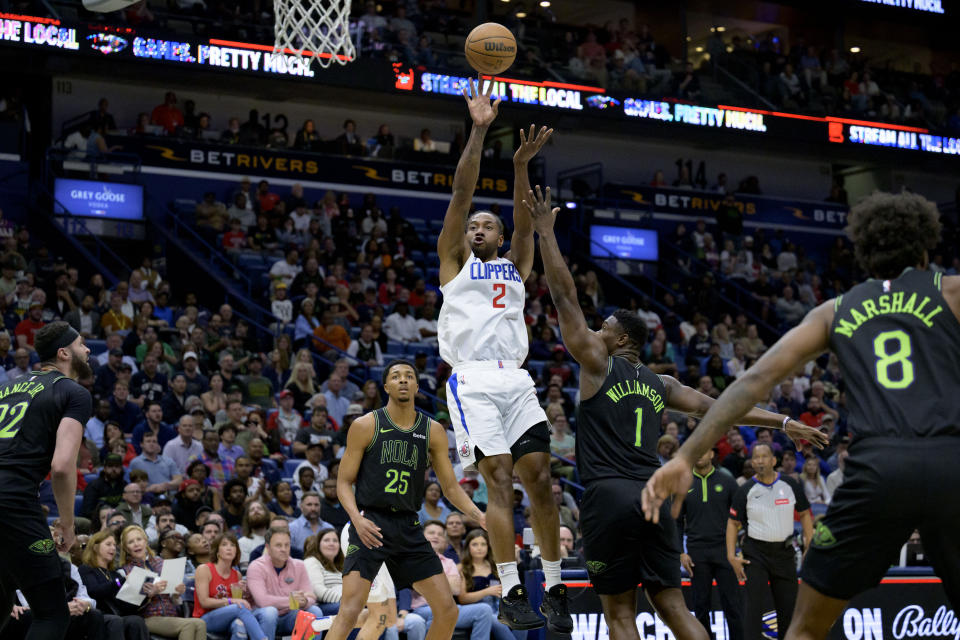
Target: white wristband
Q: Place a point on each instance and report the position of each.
(783, 426)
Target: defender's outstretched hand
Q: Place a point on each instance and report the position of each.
(798, 431)
(530, 144)
(482, 111)
(542, 214)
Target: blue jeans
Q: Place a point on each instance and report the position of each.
(286, 622)
(233, 616)
(477, 617)
(329, 608)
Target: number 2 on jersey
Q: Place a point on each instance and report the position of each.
(7, 429)
(398, 481)
(502, 288)
(639, 442)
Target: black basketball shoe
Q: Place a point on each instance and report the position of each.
(516, 612)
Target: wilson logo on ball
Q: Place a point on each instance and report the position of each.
(498, 47)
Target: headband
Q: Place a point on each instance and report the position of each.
(65, 340)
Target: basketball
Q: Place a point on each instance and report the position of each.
(490, 48)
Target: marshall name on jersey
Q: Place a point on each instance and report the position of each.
(482, 314)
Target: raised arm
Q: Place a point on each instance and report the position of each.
(693, 403)
(521, 244)
(450, 245)
(583, 344)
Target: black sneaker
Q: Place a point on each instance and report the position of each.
(516, 612)
(555, 609)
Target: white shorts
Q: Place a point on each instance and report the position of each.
(491, 405)
(381, 589)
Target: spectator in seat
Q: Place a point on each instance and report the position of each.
(287, 420)
(349, 143)
(212, 213)
(215, 582)
(307, 138)
(162, 472)
(183, 449)
(738, 455)
(337, 399)
(102, 580)
(400, 326)
(479, 581)
(316, 432)
(330, 338)
(220, 469)
(558, 366)
(306, 322)
(256, 521)
(814, 484)
(85, 319)
(287, 269)
(93, 430)
(167, 115)
(790, 87)
(688, 85)
(330, 508)
(148, 384)
(107, 488)
(160, 610)
(274, 578)
(234, 499)
(152, 423)
(27, 328)
(477, 617)
(364, 350)
(174, 401)
(123, 411)
(323, 559)
(262, 237)
(280, 306)
(309, 523)
(789, 309)
(425, 143)
(302, 385)
(131, 507)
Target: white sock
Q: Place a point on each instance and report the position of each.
(509, 577)
(551, 572)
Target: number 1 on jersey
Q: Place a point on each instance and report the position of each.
(639, 442)
(502, 288)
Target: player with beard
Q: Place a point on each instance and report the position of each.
(41, 427)
(500, 426)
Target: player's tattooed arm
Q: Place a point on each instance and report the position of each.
(583, 344)
(450, 245)
(448, 479)
(521, 243)
(359, 438)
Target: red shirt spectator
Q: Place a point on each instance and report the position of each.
(234, 239)
(268, 200)
(813, 416)
(167, 115)
(29, 326)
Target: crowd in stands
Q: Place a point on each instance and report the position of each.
(621, 56)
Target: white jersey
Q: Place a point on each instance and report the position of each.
(482, 314)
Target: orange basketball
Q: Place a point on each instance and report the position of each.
(490, 48)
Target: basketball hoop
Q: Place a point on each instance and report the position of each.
(314, 30)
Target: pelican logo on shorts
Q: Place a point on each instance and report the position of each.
(822, 536)
(43, 547)
(352, 549)
(595, 567)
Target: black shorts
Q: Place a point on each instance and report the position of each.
(29, 553)
(891, 487)
(408, 555)
(621, 547)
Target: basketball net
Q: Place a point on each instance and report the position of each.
(314, 30)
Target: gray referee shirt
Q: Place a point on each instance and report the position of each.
(766, 510)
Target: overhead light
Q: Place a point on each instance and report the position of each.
(729, 48)
(571, 205)
(712, 29)
(699, 49)
(544, 3)
(689, 39)
(854, 49)
(521, 14)
(504, 0)
(721, 29)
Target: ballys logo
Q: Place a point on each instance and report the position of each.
(912, 623)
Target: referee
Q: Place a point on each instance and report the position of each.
(765, 506)
(41, 427)
(704, 522)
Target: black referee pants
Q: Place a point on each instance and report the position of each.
(711, 564)
(773, 564)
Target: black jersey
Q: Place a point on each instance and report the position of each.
(393, 470)
(31, 408)
(898, 344)
(618, 428)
